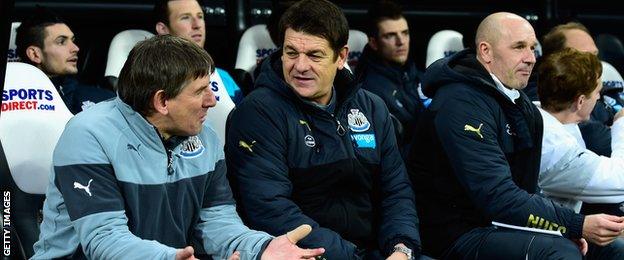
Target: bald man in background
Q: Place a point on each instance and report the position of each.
(483, 139)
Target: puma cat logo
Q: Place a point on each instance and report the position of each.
(82, 187)
(246, 146)
(470, 128)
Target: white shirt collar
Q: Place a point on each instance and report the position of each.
(513, 94)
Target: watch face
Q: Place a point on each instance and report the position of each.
(404, 250)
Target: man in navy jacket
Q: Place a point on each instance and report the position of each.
(480, 160)
(309, 146)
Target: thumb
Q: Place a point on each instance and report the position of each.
(299, 233)
(185, 253)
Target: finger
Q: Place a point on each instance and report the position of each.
(299, 233)
(307, 253)
(235, 256)
(613, 218)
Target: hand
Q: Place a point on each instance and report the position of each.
(185, 254)
(284, 246)
(582, 244)
(235, 256)
(397, 256)
(602, 229)
(618, 115)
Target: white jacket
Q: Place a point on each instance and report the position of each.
(570, 174)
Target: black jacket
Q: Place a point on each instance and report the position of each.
(397, 86)
(478, 158)
(77, 96)
(293, 163)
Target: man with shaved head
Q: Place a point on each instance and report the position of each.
(481, 162)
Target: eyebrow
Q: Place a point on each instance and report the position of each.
(310, 52)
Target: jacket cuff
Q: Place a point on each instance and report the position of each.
(576, 227)
(264, 246)
(388, 248)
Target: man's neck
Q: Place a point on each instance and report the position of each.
(565, 116)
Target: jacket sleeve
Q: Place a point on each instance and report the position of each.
(256, 155)
(399, 218)
(580, 174)
(94, 202)
(468, 131)
(220, 227)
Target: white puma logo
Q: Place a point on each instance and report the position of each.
(82, 187)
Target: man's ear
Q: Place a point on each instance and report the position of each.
(160, 102)
(161, 28)
(579, 102)
(372, 42)
(484, 50)
(342, 56)
(34, 54)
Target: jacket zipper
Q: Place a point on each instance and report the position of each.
(170, 169)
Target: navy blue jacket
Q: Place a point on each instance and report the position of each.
(396, 85)
(480, 158)
(77, 96)
(295, 163)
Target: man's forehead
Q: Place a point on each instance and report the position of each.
(392, 25)
(59, 29)
(177, 7)
(302, 41)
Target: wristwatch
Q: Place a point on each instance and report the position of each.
(404, 250)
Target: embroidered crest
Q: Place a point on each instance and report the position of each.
(192, 147)
(86, 104)
(309, 141)
(357, 121)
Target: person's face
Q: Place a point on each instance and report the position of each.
(580, 40)
(187, 111)
(186, 20)
(511, 57)
(59, 55)
(310, 65)
(393, 40)
(589, 102)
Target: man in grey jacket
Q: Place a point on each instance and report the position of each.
(141, 176)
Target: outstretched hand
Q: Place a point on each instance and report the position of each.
(285, 246)
(186, 253)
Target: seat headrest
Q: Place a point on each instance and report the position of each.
(611, 79)
(12, 53)
(610, 47)
(217, 115)
(32, 120)
(357, 42)
(254, 45)
(120, 47)
(538, 50)
(443, 44)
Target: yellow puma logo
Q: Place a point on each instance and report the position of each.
(244, 144)
(470, 128)
(303, 122)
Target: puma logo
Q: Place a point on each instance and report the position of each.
(246, 146)
(136, 149)
(470, 128)
(82, 187)
(303, 122)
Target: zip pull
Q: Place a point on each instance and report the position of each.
(170, 162)
(340, 129)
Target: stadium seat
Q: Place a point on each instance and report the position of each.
(32, 120)
(357, 42)
(254, 45)
(538, 50)
(120, 47)
(611, 79)
(611, 50)
(12, 53)
(443, 44)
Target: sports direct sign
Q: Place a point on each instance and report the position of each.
(27, 99)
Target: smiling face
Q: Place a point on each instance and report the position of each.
(186, 20)
(186, 112)
(510, 56)
(309, 65)
(59, 55)
(392, 42)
